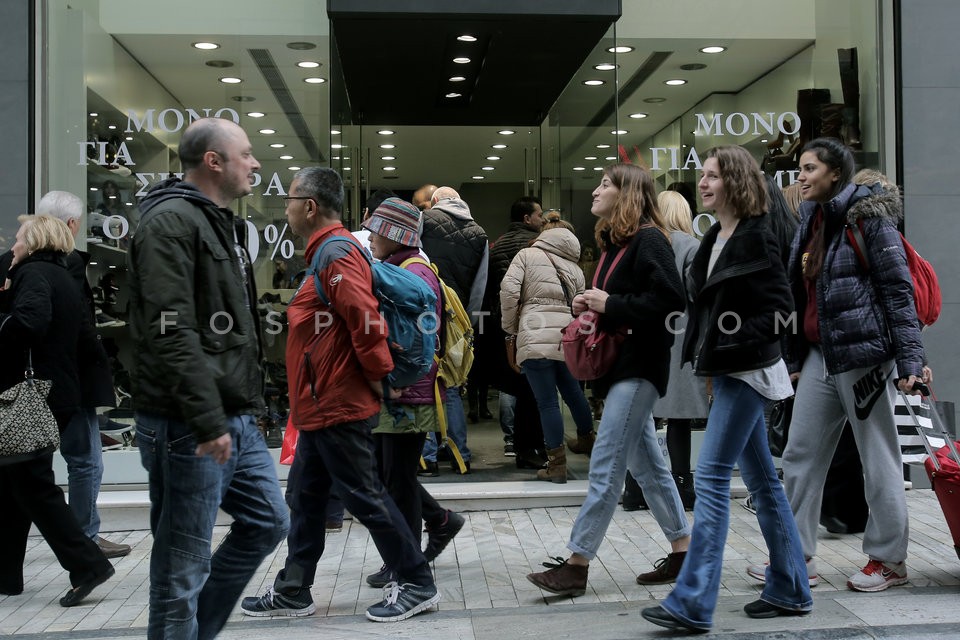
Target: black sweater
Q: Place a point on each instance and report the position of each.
(644, 289)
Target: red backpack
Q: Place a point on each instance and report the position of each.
(926, 287)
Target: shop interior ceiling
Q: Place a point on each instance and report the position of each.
(397, 78)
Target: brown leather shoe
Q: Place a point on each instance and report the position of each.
(665, 570)
(582, 443)
(112, 549)
(563, 579)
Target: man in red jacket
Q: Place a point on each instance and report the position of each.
(337, 358)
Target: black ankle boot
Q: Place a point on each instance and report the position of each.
(633, 499)
(685, 487)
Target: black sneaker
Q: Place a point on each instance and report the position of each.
(432, 470)
(272, 604)
(381, 578)
(402, 601)
(440, 537)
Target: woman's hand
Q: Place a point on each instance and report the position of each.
(579, 304)
(906, 385)
(595, 299)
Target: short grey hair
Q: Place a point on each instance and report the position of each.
(60, 204)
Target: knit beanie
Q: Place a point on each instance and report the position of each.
(396, 220)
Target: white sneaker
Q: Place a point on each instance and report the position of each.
(759, 572)
(878, 576)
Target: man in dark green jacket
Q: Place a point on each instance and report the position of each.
(198, 387)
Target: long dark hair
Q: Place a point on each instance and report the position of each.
(838, 157)
(782, 221)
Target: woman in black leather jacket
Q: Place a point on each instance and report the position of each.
(43, 315)
(739, 299)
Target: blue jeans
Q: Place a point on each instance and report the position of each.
(192, 589)
(83, 453)
(456, 427)
(736, 434)
(627, 439)
(506, 404)
(546, 377)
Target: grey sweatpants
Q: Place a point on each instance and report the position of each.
(823, 403)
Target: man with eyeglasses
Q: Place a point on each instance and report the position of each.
(198, 387)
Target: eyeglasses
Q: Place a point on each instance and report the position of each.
(287, 199)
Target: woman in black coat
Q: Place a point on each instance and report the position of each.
(41, 314)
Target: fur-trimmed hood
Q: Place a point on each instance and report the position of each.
(876, 201)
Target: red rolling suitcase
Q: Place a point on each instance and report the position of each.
(943, 467)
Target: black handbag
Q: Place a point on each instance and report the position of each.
(778, 429)
(27, 426)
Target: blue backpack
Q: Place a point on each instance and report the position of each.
(408, 306)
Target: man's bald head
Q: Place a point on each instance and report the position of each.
(443, 193)
(206, 134)
(422, 197)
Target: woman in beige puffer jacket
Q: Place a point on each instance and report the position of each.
(535, 297)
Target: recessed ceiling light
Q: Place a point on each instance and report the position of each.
(93, 189)
(603, 146)
(654, 100)
(242, 98)
(462, 60)
(590, 158)
(389, 168)
(206, 46)
(713, 49)
(308, 64)
(487, 168)
(346, 168)
(493, 157)
(499, 146)
(286, 157)
(579, 168)
(332, 157)
(593, 83)
(256, 114)
(111, 126)
(334, 132)
(337, 146)
(219, 64)
(467, 38)
(294, 168)
(301, 46)
(314, 80)
(476, 177)
(128, 138)
(606, 66)
(610, 158)
(278, 145)
(620, 49)
(506, 132)
(764, 140)
(676, 82)
(229, 80)
(598, 168)
(619, 132)
(268, 132)
(385, 132)
(457, 79)
(388, 157)
(94, 114)
(387, 146)
(637, 116)
(453, 94)
(693, 66)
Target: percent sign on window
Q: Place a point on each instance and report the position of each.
(274, 238)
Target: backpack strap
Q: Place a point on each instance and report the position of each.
(859, 244)
(314, 268)
(603, 257)
(563, 284)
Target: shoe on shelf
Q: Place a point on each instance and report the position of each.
(879, 576)
(440, 536)
(762, 609)
(109, 443)
(508, 451)
(431, 471)
(381, 578)
(562, 578)
(112, 549)
(659, 616)
(402, 601)
(272, 604)
(665, 570)
(759, 572)
(76, 595)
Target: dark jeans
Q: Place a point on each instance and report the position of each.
(398, 457)
(29, 494)
(192, 589)
(341, 457)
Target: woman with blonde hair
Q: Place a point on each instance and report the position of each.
(641, 288)
(42, 320)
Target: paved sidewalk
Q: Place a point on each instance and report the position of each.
(486, 595)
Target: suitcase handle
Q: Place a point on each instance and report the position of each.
(927, 395)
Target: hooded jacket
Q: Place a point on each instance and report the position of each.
(865, 318)
(197, 347)
(457, 245)
(532, 299)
